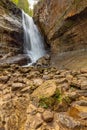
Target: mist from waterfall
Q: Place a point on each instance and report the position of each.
(33, 41)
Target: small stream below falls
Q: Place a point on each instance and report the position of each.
(33, 41)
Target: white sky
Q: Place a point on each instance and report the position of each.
(32, 2)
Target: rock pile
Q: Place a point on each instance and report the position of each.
(36, 98)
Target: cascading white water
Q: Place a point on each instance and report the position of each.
(33, 41)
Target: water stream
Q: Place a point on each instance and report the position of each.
(33, 41)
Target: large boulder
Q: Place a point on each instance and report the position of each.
(64, 25)
(46, 90)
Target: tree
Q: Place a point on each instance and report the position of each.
(24, 4)
(15, 1)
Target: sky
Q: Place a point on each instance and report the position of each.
(32, 2)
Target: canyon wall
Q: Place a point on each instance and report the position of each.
(64, 25)
(11, 31)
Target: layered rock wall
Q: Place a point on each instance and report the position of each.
(11, 31)
(64, 25)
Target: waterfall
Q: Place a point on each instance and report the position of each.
(33, 41)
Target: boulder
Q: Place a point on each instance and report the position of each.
(84, 85)
(77, 111)
(20, 59)
(48, 116)
(43, 61)
(46, 90)
(68, 121)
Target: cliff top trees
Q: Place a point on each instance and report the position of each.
(24, 4)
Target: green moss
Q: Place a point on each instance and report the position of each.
(51, 101)
(46, 102)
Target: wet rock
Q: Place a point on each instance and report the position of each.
(44, 61)
(20, 59)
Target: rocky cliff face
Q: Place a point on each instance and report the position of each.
(64, 25)
(11, 32)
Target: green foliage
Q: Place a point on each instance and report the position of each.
(23, 4)
(15, 1)
(51, 101)
(30, 12)
(58, 96)
(46, 102)
(41, 0)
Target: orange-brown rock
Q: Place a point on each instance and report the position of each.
(58, 108)
(64, 25)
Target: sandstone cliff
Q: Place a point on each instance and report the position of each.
(64, 25)
(11, 32)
